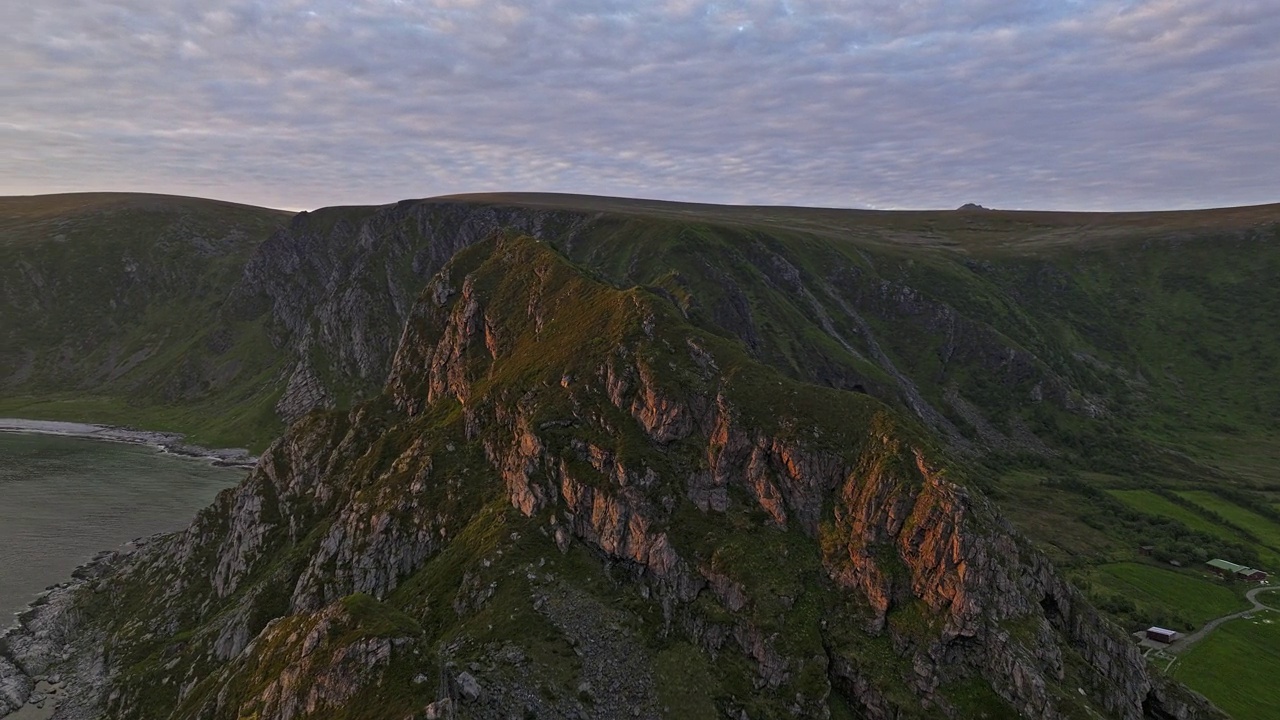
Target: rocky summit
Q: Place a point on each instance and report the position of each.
(558, 457)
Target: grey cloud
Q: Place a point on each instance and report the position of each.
(928, 103)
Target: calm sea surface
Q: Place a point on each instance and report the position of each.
(63, 499)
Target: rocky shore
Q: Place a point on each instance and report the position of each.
(171, 443)
(46, 648)
(42, 647)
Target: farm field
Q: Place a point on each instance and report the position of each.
(1167, 596)
(1149, 502)
(1266, 529)
(1153, 504)
(1236, 667)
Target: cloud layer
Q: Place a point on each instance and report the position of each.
(1069, 104)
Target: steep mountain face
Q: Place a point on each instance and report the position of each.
(569, 501)
(221, 320)
(334, 287)
(589, 457)
(1018, 334)
(107, 306)
(1015, 334)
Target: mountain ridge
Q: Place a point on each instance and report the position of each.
(905, 555)
(1019, 347)
(398, 245)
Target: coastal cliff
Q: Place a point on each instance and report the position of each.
(569, 501)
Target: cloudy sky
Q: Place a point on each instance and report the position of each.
(1068, 104)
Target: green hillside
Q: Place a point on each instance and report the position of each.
(1124, 351)
(1109, 380)
(571, 501)
(1021, 333)
(113, 313)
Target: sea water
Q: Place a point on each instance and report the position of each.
(64, 499)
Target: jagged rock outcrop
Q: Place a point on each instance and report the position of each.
(549, 447)
(337, 284)
(997, 330)
(15, 686)
(375, 546)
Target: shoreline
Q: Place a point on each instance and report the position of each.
(166, 443)
(43, 666)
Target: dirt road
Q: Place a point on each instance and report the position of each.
(1187, 641)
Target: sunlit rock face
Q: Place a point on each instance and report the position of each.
(562, 479)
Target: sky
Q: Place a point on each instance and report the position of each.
(1054, 104)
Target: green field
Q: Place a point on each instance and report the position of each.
(1167, 596)
(1236, 667)
(1148, 502)
(1266, 529)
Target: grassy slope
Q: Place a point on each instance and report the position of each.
(501, 549)
(1236, 667)
(1153, 504)
(115, 302)
(1183, 600)
(1266, 530)
(1174, 314)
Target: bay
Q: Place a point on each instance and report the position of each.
(64, 499)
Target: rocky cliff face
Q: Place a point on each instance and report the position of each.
(337, 284)
(974, 350)
(569, 501)
(1006, 334)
